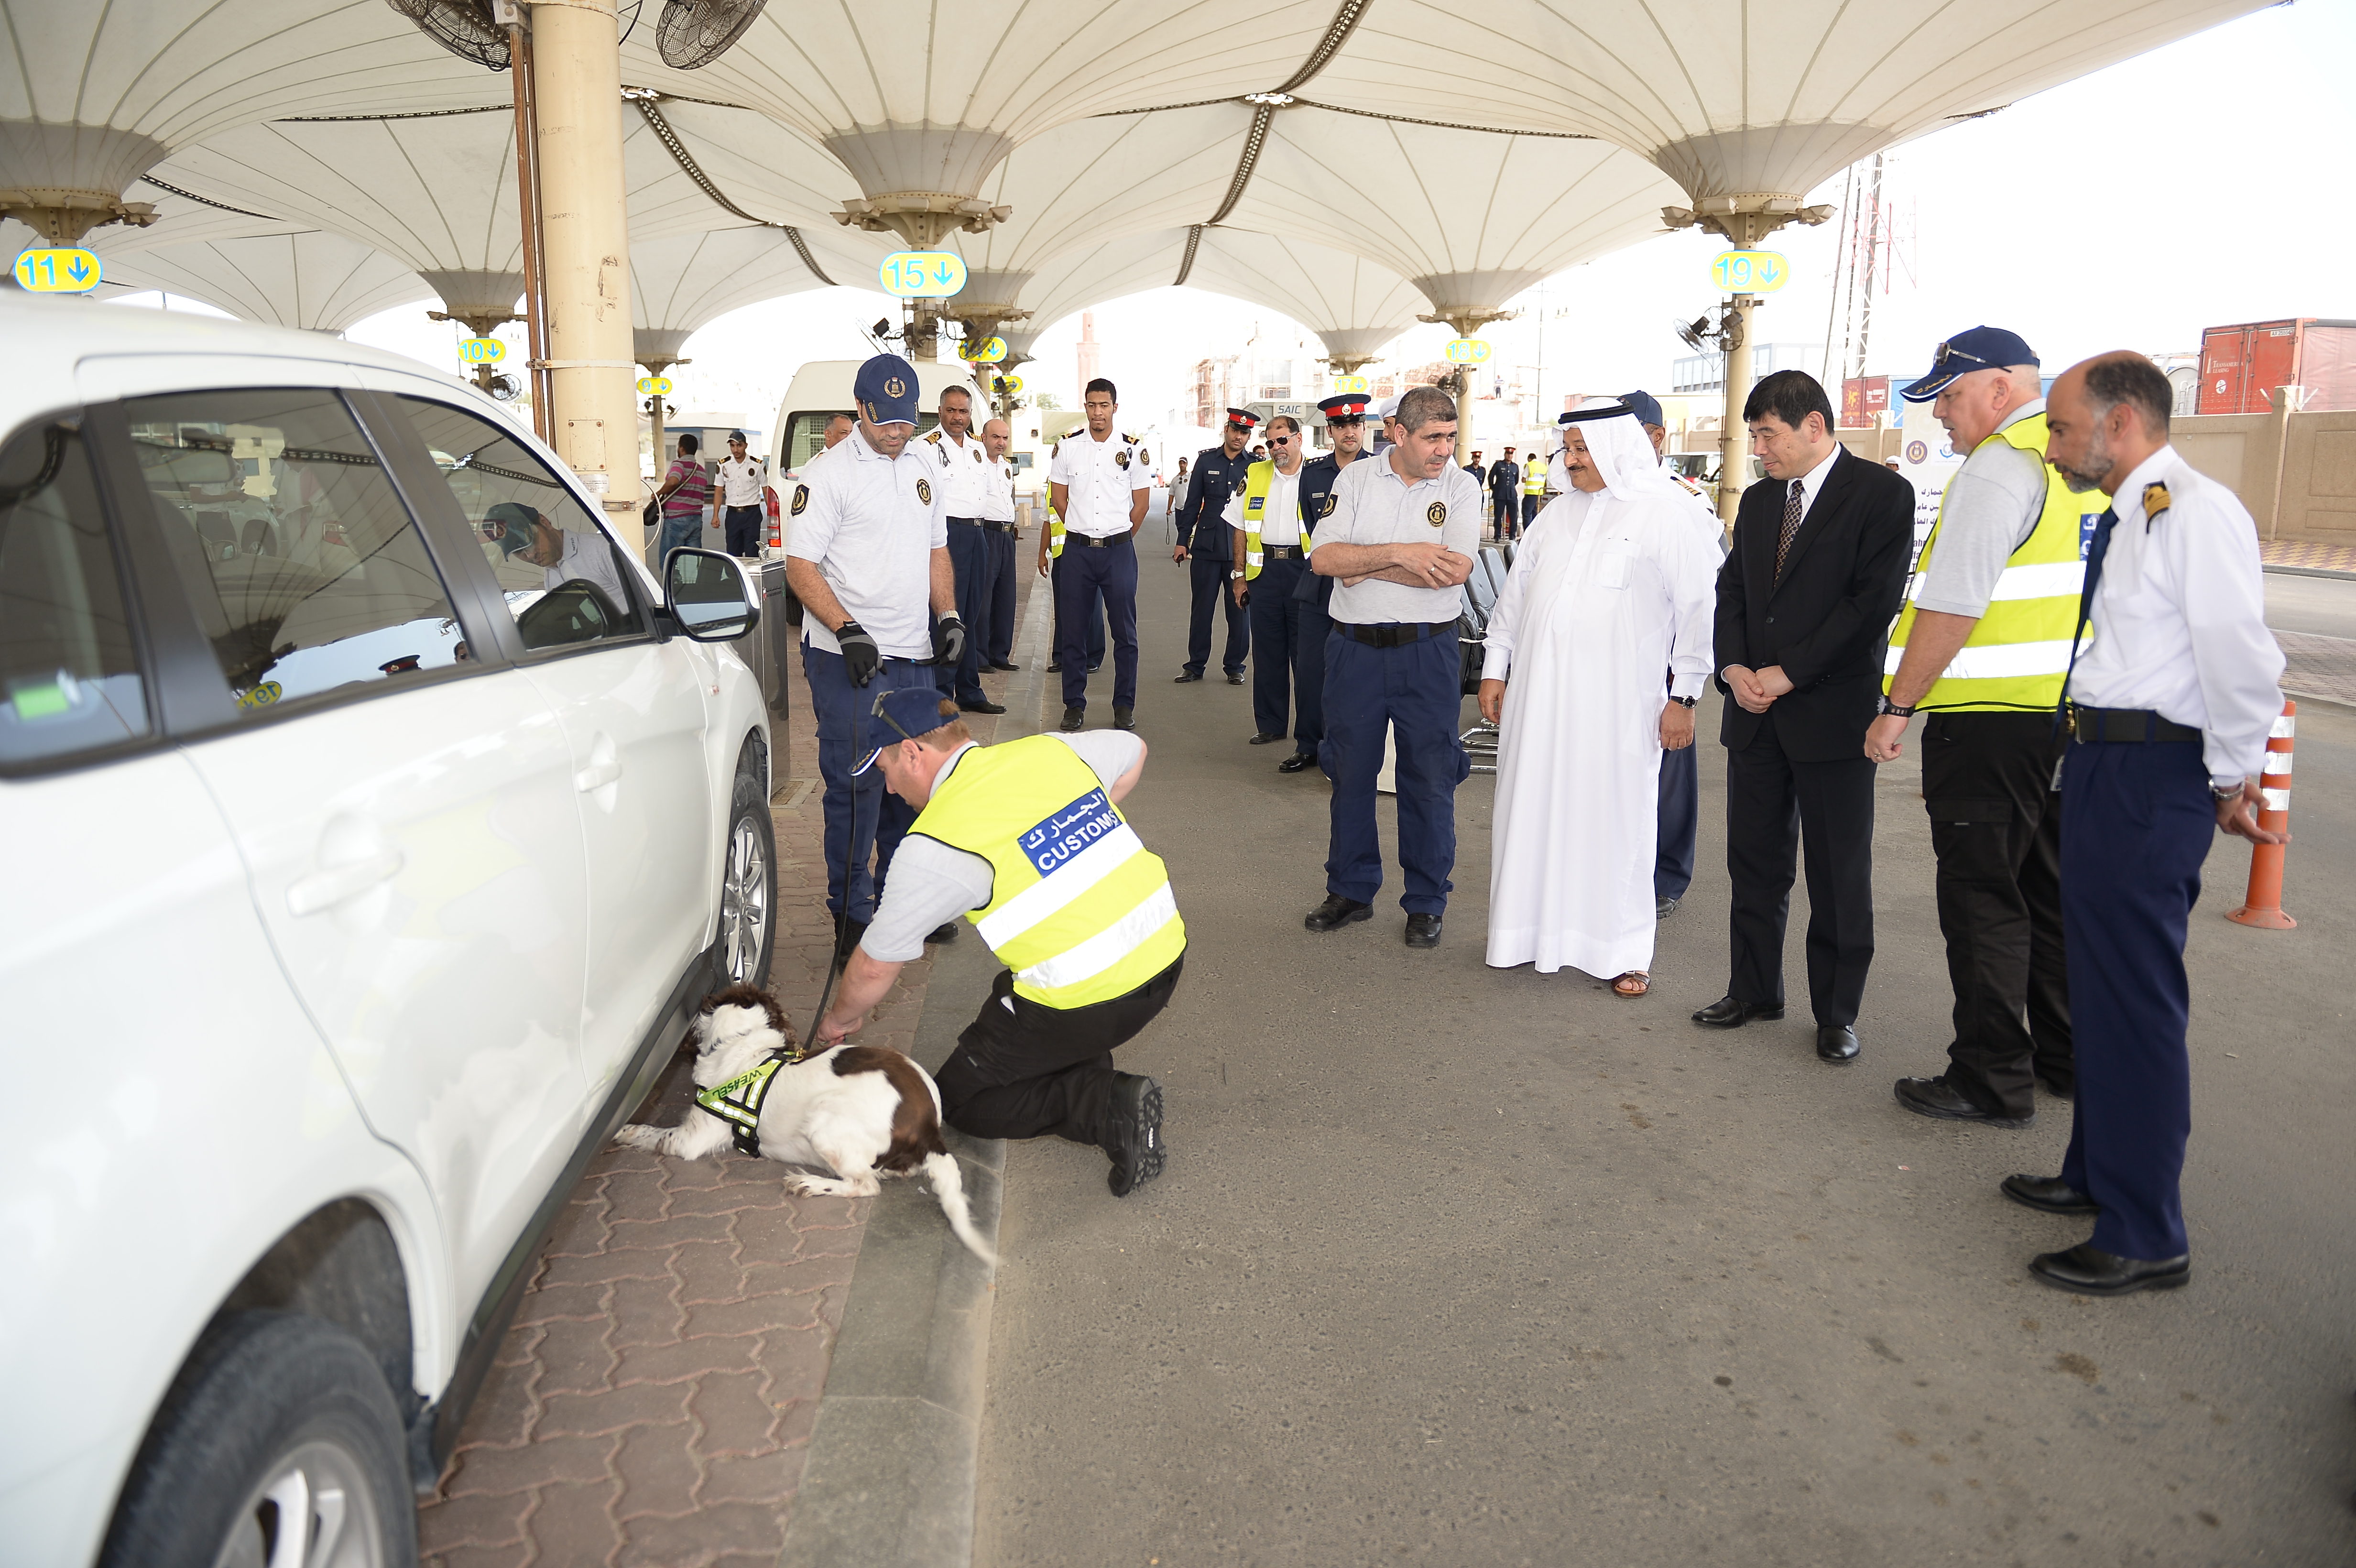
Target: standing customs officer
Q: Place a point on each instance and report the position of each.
(736, 498)
(1203, 539)
(868, 555)
(2169, 709)
(1000, 535)
(1400, 540)
(962, 474)
(1101, 488)
(1981, 649)
(1535, 477)
(1346, 422)
(1504, 483)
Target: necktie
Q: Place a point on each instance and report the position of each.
(2095, 553)
(1792, 510)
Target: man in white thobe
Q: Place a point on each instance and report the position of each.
(1612, 584)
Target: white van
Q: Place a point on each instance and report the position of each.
(821, 389)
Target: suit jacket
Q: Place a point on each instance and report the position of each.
(1827, 621)
(1202, 517)
(1505, 478)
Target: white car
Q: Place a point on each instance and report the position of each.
(371, 821)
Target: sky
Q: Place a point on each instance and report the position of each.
(2129, 209)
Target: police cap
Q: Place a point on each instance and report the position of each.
(1343, 408)
(1243, 419)
(886, 390)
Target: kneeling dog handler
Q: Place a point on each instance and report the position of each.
(1026, 840)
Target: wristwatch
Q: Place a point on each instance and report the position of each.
(2225, 792)
(1882, 705)
(1684, 701)
(1235, 575)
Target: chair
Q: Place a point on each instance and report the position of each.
(220, 538)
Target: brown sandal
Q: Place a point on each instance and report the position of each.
(1634, 983)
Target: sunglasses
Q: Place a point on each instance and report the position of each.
(1949, 351)
(1280, 441)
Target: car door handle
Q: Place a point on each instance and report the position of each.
(598, 775)
(335, 884)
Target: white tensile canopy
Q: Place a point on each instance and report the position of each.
(315, 280)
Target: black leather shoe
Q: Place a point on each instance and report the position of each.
(1096, 666)
(1133, 1133)
(1836, 1042)
(1295, 762)
(2059, 1091)
(945, 931)
(1728, 1013)
(1187, 675)
(1004, 668)
(984, 706)
(847, 933)
(1235, 677)
(1124, 718)
(1937, 1097)
(2086, 1270)
(1663, 908)
(1337, 912)
(1265, 739)
(1073, 719)
(1423, 930)
(2047, 1194)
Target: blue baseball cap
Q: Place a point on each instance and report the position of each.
(1645, 406)
(886, 390)
(1981, 348)
(903, 713)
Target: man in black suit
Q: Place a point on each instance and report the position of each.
(1805, 603)
(1505, 495)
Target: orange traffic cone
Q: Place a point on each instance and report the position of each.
(2262, 905)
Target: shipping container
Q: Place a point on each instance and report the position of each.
(2241, 366)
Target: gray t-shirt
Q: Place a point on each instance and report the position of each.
(930, 882)
(1991, 507)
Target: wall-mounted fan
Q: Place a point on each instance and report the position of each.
(694, 33)
(504, 388)
(465, 27)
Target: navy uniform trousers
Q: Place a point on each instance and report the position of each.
(1680, 803)
(1055, 609)
(998, 575)
(1210, 583)
(1415, 692)
(1108, 568)
(864, 822)
(1290, 633)
(970, 560)
(2141, 822)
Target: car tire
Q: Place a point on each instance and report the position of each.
(279, 1421)
(748, 880)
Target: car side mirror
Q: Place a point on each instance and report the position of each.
(707, 595)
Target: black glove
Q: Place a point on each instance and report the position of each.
(948, 640)
(861, 656)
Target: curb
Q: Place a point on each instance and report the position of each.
(893, 1459)
(2310, 571)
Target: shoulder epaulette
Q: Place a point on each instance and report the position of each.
(935, 437)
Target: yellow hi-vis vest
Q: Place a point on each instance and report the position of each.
(1257, 480)
(1055, 534)
(1079, 908)
(2016, 659)
(1534, 475)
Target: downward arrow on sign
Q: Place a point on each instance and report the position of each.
(1769, 272)
(81, 270)
(941, 273)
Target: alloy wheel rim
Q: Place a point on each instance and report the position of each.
(745, 901)
(316, 1511)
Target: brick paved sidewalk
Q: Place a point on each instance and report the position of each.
(654, 1399)
(2309, 554)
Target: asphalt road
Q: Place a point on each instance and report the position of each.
(2325, 607)
(1455, 1265)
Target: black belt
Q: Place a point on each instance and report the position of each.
(1089, 541)
(1284, 552)
(1393, 634)
(2120, 724)
(968, 522)
(998, 527)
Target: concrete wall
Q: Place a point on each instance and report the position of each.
(2295, 472)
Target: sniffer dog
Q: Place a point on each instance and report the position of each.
(860, 1111)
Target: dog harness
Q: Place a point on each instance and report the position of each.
(738, 1101)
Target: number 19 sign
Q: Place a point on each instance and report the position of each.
(1749, 271)
(922, 274)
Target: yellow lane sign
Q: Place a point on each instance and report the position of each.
(1468, 351)
(989, 351)
(58, 272)
(1749, 271)
(481, 350)
(1010, 385)
(1349, 383)
(922, 274)
(653, 386)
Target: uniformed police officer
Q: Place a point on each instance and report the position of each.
(1203, 539)
(1000, 534)
(1399, 541)
(1504, 486)
(1026, 840)
(868, 555)
(1981, 649)
(1345, 422)
(2171, 704)
(1100, 486)
(962, 474)
(1680, 786)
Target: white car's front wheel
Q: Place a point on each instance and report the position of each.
(748, 880)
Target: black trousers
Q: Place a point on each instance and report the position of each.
(1996, 827)
(1210, 584)
(1023, 1070)
(1775, 805)
(1504, 508)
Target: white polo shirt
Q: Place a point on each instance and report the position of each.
(870, 523)
(964, 471)
(997, 495)
(740, 482)
(1372, 504)
(1102, 476)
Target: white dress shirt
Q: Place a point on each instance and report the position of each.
(1812, 485)
(1372, 504)
(740, 482)
(998, 492)
(1281, 518)
(2179, 620)
(962, 470)
(870, 524)
(1101, 476)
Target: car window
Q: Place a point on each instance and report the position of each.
(537, 537)
(69, 672)
(307, 574)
